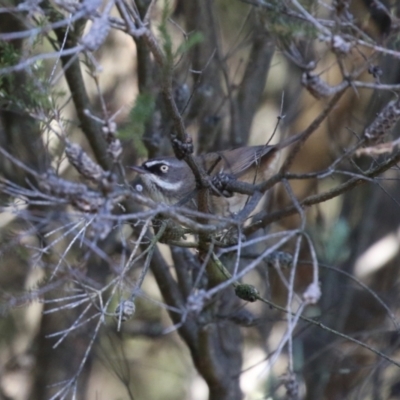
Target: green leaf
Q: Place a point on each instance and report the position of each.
(140, 114)
(336, 244)
(192, 40)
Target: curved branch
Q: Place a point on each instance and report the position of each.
(320, 198)
(91, 128)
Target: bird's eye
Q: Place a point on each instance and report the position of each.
(164, 168)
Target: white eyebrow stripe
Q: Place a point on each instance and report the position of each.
(165, 185)
(156, 162)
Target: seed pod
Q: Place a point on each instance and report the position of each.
(125, 310)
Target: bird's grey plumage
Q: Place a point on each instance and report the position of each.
(171, 181)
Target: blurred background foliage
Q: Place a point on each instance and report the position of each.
(236, 69)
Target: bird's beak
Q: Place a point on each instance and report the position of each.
(139, 170)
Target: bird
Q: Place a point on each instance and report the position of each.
(171, 181)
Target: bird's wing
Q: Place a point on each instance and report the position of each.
(237, 161)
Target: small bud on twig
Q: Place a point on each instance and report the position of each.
(125, 310)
